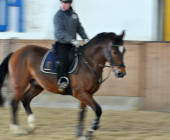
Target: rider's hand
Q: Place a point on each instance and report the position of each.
(75, 43)
(85, 41)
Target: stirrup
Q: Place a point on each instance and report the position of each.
(63, 83)
(65, 79)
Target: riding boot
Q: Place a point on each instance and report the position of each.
(63, 81)
(62, 52)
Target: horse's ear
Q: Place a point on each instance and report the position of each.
(123, 34)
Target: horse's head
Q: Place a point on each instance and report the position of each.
(115, 53)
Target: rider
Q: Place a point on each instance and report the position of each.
(67, 25)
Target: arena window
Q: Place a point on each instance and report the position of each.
(4, 14)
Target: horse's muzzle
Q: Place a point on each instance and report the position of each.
(120, 74)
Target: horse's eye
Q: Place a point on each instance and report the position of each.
(114, 52)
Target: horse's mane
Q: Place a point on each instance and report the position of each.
(101, 38)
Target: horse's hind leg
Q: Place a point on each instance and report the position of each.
(14, 105)
(1, 100)
(33, 91)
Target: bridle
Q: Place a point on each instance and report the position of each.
(109, 59)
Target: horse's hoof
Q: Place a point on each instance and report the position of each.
(30, 130)
(31, 126)
(89, 134)
(19, 134)
(83, 138)
(31, 123)
(17, 131)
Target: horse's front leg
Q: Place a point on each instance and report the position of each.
(95, 123)
(87, 99)
(79, 127)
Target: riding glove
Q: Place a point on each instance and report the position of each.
(75, 43)
(86, 41)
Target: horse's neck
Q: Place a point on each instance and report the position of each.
(95, 57)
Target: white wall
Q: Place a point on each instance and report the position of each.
(137, 17)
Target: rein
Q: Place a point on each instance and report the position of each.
(92, 70)
(100, 81)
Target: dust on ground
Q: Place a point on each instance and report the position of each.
(59, 124)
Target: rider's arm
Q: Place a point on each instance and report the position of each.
(81, 32)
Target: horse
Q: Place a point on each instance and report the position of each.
(23, 67)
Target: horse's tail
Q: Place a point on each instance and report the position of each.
(3, 73)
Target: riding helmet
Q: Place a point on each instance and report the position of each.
(66, 1)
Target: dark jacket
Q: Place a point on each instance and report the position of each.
(67, 25)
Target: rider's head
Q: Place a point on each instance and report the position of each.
(65, 4)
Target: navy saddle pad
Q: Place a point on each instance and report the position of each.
(48, 64)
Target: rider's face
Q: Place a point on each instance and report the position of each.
(65, 5)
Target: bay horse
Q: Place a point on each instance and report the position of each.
(28, 81)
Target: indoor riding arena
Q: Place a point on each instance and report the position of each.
(134, 107)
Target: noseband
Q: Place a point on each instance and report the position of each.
(109, 57)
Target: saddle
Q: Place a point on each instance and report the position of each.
(49, 66)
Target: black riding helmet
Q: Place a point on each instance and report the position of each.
(70, 1)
